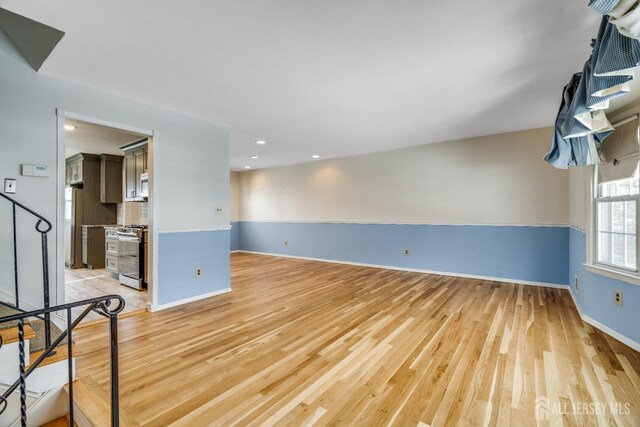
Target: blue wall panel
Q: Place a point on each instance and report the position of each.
(596, 293)
(180, 253)
(235, 236)
(539, 254)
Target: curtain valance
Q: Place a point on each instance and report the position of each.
(581, 123)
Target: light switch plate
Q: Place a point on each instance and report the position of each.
(10, 185)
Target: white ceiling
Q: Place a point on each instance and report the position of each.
(333, 77)
(95, 139)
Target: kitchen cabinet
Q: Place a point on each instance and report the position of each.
(75, 170)
(110, 178)
(135, 168)
(85, 250)
(67, 176)
(93, 246)
(111, 250)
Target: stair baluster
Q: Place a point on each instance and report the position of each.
(101, 305)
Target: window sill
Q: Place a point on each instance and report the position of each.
(613, 274)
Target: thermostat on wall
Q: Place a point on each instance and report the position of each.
(41, 171)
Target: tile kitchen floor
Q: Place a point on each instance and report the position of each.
(83, 283)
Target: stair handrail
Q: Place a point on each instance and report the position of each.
(43, 226)
(101, 305)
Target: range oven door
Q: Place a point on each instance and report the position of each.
(129, 260)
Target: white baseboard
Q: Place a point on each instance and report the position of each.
(188, 300)
(618, 336)
(604, 328)
(417, 270)
(607, 330)
(236, 251)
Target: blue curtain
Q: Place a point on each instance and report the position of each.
(623, 14)
(566, 152)
(581, 123)
(614, 56)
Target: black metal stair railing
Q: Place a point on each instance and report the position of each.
(42, 226)
(102, 305)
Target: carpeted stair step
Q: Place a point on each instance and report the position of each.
(7, 310)
(37, 343)
(34, 330)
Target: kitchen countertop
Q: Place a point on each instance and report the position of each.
(102, 226)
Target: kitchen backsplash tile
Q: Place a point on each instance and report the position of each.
(133, 213)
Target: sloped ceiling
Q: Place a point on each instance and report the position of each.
(334, 77)
(34, 40)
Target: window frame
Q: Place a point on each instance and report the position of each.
(596, 199)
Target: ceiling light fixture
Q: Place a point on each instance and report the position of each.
(247, 167)
(253, 157)
(261, 142)
(70, 127)
(315, 156)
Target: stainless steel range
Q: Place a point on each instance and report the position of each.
(131, 256)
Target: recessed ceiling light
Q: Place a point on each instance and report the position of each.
(247, 167)
(315, 156)
(253, 157)
(261, 142)
(70, 127)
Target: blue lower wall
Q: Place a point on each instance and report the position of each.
(596, 293)
(235, 236)
(178, 256)
(538, 254)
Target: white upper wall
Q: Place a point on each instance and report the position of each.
(499, 179)
(579, 179)
(234, 201)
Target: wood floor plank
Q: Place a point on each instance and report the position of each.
(310, 343)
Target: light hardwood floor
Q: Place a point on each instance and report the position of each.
(82, 283)
(300, 342)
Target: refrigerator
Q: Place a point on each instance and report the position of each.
(72, 231)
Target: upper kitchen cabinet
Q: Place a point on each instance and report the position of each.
(135, 171)
(76, 168)
(67, 175)
(110, 178)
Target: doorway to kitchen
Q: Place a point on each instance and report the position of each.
(106, 216)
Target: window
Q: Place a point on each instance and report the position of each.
(616, 223)
(617, 196)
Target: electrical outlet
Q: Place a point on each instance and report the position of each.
(577, 284)
(198, 272)
(617, 295)
(406, 252)
(286, 243)
(218, 210)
